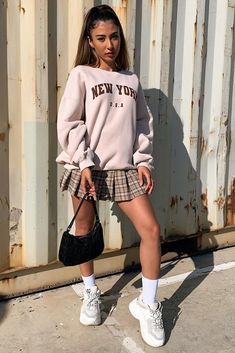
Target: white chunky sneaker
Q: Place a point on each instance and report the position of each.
(150, 318)
(90, 310)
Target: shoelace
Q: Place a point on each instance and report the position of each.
(157, 316)
(93, 299)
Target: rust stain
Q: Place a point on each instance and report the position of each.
(203, 144)
(204, 200)
(57, 86)
(14, 246)
(174, 201)
(230, 202)
(193, 140)
(220, 202)
(2, 136)
(195, 33)
(231, 4)
(21, 9)
(188, 206)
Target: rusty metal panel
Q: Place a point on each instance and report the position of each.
(184, 54)
(162, 109)
(4, 143)
(15, 134)
(230, 122)
(211, 161)
(182, 179)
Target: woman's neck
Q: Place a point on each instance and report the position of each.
(106, 67)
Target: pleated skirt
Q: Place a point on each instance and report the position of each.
(112, 185)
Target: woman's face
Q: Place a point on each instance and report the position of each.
(105, 41)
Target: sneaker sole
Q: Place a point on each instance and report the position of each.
(133, 308)
(84, 321)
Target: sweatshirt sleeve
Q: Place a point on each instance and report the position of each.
(144, 133)
(71, 128)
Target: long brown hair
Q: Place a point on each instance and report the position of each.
(85, 55)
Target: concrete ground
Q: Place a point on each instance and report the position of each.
(198, 297)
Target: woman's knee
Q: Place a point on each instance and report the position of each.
(152, 234)
(85, 218)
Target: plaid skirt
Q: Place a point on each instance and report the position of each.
(113, 185)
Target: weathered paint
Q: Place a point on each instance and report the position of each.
(212, 107)
(4, 142)
(23, 281)
(184, 54)
(231, 205)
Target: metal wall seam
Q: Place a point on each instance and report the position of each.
(197, 110)
(15, 131)
(75, 20)
(212, 108)
(28, 112)
(4, 142)
(52, 130)
(225, 127)
(230, 219)
(130, 33)
(63, 70)
(156, 23)
(145, 43)
(183, 175)
(34, 95)
(165, 110)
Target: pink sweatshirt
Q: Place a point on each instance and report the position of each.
(103, 121)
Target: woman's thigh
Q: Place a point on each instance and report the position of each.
(85, 218)
(141, 213)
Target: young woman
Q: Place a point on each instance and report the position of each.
(105, 131)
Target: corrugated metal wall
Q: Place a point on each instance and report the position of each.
(184, 54)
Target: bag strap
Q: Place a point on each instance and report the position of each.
(87, 196)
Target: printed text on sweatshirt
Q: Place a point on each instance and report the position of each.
(103, 121)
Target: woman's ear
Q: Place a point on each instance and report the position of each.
(90, 42)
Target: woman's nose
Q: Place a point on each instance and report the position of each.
(109, 44)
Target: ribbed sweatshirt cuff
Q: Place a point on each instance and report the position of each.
(86, 163)
(145, 164)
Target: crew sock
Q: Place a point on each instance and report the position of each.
(89, 281)
(149, 290)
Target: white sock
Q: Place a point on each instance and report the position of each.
(149, 290)
(89, 281)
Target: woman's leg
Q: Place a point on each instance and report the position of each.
(140, 212)
(90, 310)
(83, 224)
(145, 308)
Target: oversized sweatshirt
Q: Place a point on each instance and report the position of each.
(103, 121)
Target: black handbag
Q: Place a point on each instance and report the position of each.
(75, 250)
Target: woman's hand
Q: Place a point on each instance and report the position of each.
(145, 177)
(87, 185)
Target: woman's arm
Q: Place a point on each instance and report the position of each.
(71, 127)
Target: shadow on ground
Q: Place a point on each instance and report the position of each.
(3, 309)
